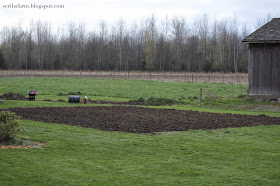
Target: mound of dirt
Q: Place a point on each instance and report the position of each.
(13, 96)
(141, 120)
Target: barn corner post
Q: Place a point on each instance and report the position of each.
(264, 61)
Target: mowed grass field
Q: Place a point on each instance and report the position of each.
(80, 156)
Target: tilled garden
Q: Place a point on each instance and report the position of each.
(139, 119)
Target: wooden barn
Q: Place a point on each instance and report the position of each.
(264, 61)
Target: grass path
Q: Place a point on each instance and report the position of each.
(79, 156)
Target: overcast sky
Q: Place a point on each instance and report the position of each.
(91, 12)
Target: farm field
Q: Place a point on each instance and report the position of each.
(76, 155)
(237, 78)
(217, 97)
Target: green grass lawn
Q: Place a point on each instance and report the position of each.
(217, 97)
(118, 89)
(80, 156)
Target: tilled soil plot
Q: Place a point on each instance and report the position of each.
(140, 120)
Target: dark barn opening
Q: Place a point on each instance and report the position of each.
(264, 61)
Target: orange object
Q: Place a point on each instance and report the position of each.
(84, 101)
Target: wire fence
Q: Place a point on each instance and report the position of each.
(236, 78)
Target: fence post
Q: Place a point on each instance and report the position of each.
(192, 78)
(201, 95)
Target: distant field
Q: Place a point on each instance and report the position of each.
(237, 78)
(217, 97)
(58, 88)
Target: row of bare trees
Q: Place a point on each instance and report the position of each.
(149, 44)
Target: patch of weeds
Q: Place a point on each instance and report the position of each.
(182, 97)
(249, 100)
(139, 101)
(212, 95)
(70, 93)
(61, 94)
(160, 101)
(12, 141)
(242, 96)
(75, 93)
(192, 98)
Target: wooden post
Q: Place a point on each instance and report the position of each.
(201, 95)
(192, 78)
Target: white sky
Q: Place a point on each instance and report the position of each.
(91, 12)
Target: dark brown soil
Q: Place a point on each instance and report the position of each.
(141, 120)
(13, 96)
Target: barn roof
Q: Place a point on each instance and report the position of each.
(268, 33)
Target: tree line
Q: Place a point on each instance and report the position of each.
(146, 45)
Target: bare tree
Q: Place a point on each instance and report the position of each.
(178, 36)
(262, 21)
(150, 41)
(203, 35)
(103, 31)
(120, 29)
(222, 42)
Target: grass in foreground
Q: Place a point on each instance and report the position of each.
(80, 156)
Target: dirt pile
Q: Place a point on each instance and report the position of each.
(141, 120)
(13, 96)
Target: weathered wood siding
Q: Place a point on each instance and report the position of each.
(264, 70)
